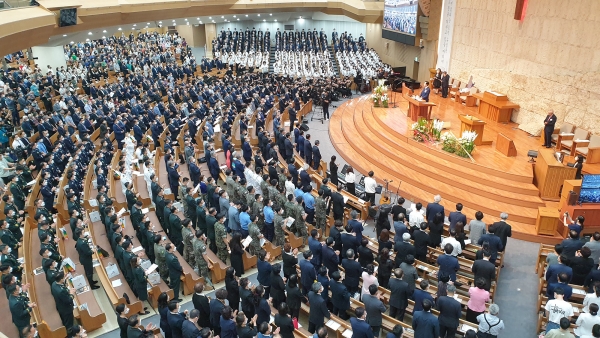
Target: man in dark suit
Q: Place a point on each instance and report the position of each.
(425, 92)
(450, 312)
(375, 308)
(483, 268)
(448, 264)
(315, 247)
(189, 327)
(216, 305)
(502, 230)
(400, 292)
(563, 283)
(85, 258)
(572, 244)
(340, 297)
(307, 272)
(318, 308)
(456, 216)
(434, 208)
(348, 241)
(308, 155)
(421, 241)
(494, 243)
(175, 319)
(404, 248)
(420, 295)
(549, 123)
(330, 258)
(316, 155)
(555, 269)
(175, 270)
(201, 304)
(289, 147)
(445, 84)
(360, 328)
(353, 271)
(425, 323)
(337, 201)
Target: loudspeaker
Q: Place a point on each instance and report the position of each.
(67, 17)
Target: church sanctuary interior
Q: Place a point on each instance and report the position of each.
(300, 169)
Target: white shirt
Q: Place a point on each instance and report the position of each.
(289, 188)
(590, 298)
(585, 323)
(557, 309)
(350, 177)
(370, 185)
(457, 248)
(416, 218)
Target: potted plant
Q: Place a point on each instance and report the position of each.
(421, 130)
(385, 100)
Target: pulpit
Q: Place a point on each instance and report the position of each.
(495, 106)
(471, 123)
(550, 174)
(419, 108)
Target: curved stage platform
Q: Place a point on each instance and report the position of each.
(380, 139)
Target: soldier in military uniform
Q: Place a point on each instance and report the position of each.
(188, 247)
(199, 244)
(50, 267)
(51, 247)
(127, 255)
(299, 223)
(176, 226)
(257, 209)
(264, 187)
(160, 256)
(241, 193)
(140, 280)
(320, 211)
(85, 259)
(281, 178)
(14, 225)
(175, 270)
(7, 237)
(20, 308)
(17, 193)
(41, 209)
(73, 204)
(274, 193)
(221, 238)
(230, 181)
(136, 219)
(130, 195)
(279, 224)
(63, 296)
(201, 214)
(8, 258)
(210, 191)
(254, 233)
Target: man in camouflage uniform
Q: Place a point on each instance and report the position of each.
(257, 209)
(288, 207)
(278, 222)
(241, 191)
(264, 186)
(160, 256)
(299, 223)
(320, 211)
(220, 237)
(230, 181)
(187, 233)
(281, 178)
(250, 197)
(199, 244)
(254, 233)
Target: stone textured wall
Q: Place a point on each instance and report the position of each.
(550, 60)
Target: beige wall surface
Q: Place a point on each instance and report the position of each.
(551, 60)
(394, 53)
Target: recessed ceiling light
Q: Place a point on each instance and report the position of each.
(187, 23)
(173, 20)
(135, 24)
(264, 19)
(147, 24)
(238, 19)
(275, 20)
(185, 19)
(198, 19)
(72, 42)
(104, 37)
(160, 22)
(270, 14)
(87, 39)
(64, 35)
(222, 16)
(89, 33)
(120, 28)
(246, 15)
(234, 16)
(259, 15)
(210, 17)
(213, 21)
(104, 31)
(201, 22)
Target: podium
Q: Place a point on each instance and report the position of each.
(418, 108)
(495, 106)
(547, 221)
(550, 174)
(471, 123)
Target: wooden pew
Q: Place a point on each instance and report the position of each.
(116, 192)
(91, 318)
(218, 267)
(45, 314)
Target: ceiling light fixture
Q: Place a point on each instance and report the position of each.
(147, 24)
(135, 24)
(222, 16)
(120, 28)
(270, 14)
(275, 20)
(259, 15)
(264, 19)
(246, 15)
(64, 35)
(89, 33)
(210, 17)
(104, 31)
(160, 22)
(234, 16)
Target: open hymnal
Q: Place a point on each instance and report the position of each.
(289, 221)
(116, 282)
(145, 211)
(151, 269)
(196, 189)
(247, 241)
(347, 334)
(30, 183)
(332, 324)
(262, 242)
(137, 249)
(93, 202)
(346, 199)
(121, 212)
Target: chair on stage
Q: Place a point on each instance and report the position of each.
(590, 150)
(565, 128)
(455, 91)
(568, 141)
(453, 84)
(467, 98)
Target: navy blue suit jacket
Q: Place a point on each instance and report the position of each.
(309, 275)
(432, 209)
(315, 247)
(425, 325)
(360, 328)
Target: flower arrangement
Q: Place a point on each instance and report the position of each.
(462, 147)
(378, 95)
(421, 130)
(436, 129)
(385, 100)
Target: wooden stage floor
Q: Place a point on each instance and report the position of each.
(380, 139)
